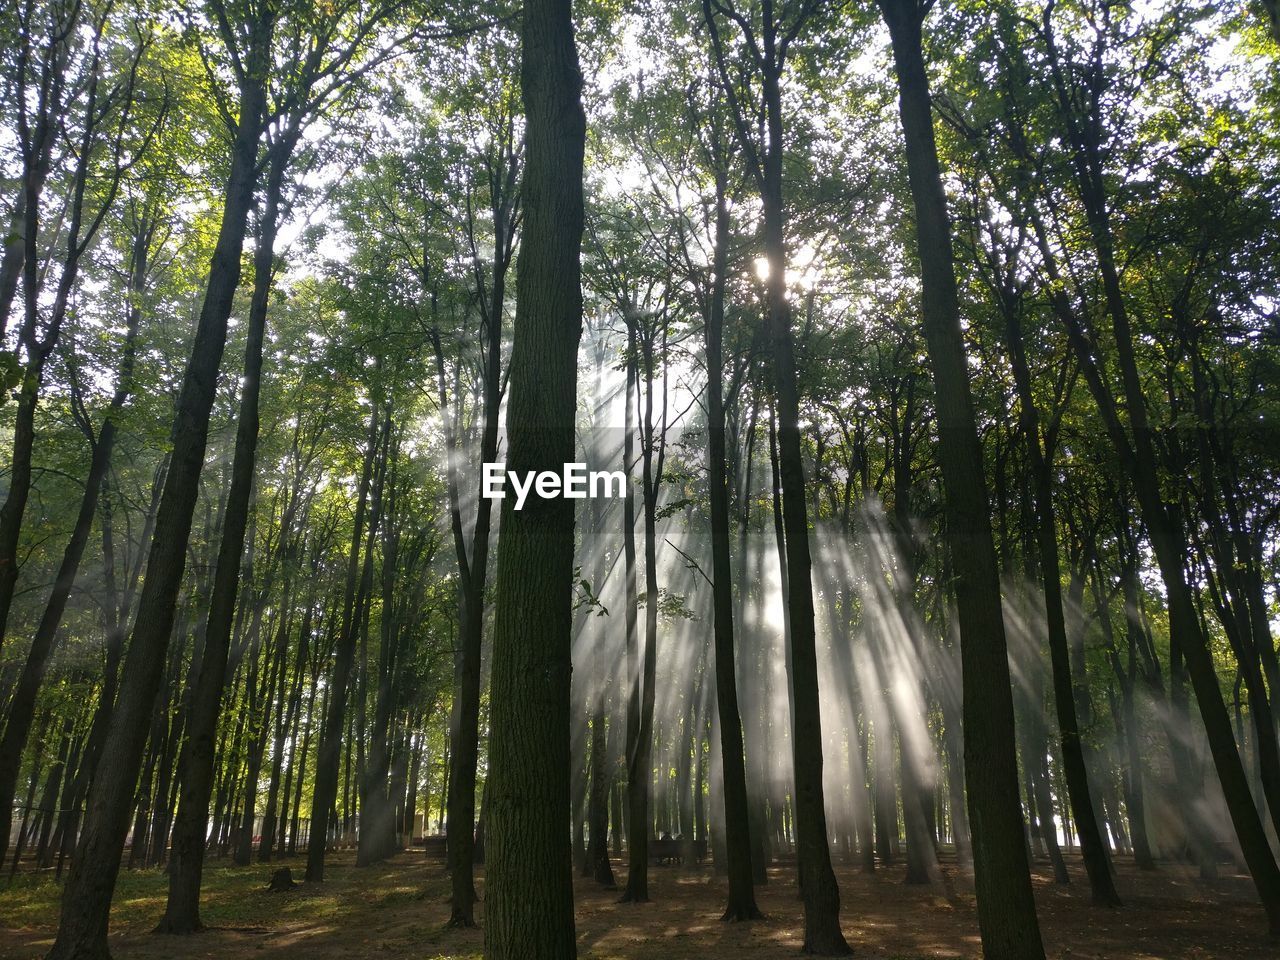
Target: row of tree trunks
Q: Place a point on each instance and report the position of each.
(22, 702)
(82, 931)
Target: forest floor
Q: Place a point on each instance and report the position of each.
(399, 909)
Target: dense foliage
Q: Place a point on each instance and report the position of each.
(258, 295)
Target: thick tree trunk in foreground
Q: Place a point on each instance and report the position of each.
(529, 913)
(86, 900)
(1006, 906)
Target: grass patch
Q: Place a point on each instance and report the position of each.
(231, 896)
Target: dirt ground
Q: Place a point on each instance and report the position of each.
(399, 910)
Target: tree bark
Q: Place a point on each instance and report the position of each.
(182, 908)
(1006, 907)
(742, 901)
(530, 871)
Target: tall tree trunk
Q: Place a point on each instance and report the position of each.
(182, 908)
(637, 778)
(600, 679)
(742, 901)
(530, 871)
(1006, 906)
(475, 571)
(640, 761)
(818, 886)
(1093, 845)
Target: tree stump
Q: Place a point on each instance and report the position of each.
(281, 879)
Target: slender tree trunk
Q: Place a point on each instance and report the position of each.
(640, 761)
(742, 902)
(637, 778)
(1093, 845)
(601, 730)
(475, 570)
(819, 889)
